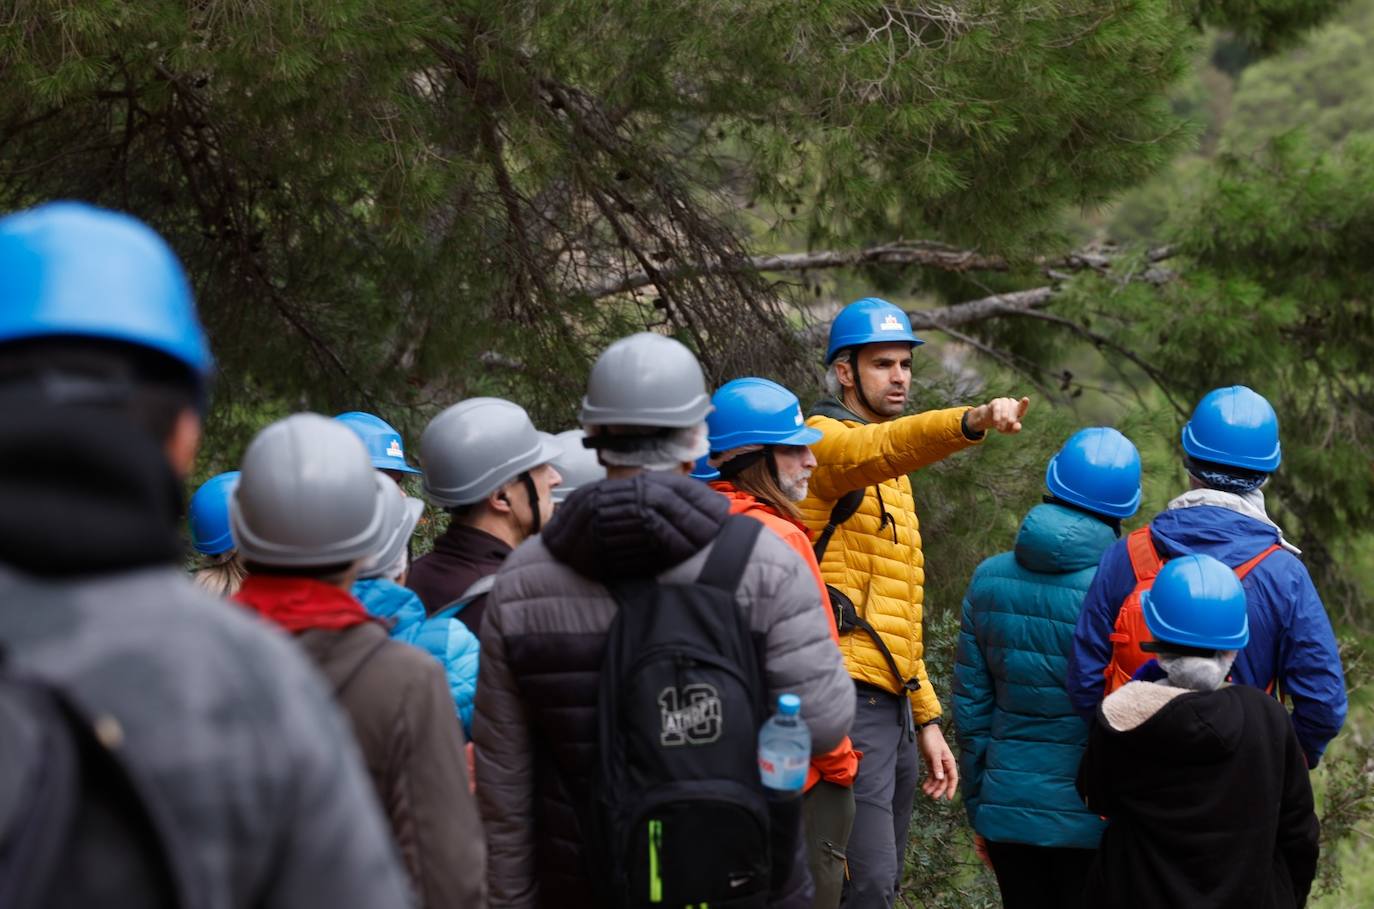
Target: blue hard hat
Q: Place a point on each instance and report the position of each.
(210, 533)
(1097, 469)
(704, 471)
(869, 321)
(1197, 601)
(72, 269)
(383, 442)
(756, 412)
(1237, 427)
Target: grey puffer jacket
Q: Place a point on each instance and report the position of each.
(545, 630)
(221, 719)
(226, 724)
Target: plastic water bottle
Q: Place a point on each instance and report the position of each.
(785, 748)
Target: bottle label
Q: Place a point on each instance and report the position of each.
(785, 772)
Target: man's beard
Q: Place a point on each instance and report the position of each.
(880, 405)
(794, 489)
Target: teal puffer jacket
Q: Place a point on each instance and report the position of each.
(1020, 740)
(445, 638)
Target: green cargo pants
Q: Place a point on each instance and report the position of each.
(829, 814)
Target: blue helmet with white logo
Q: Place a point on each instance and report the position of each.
(382, 441)
(1237, 427)
(209, 519)
(70, 269)
(1196, 602)
(1097, 469)
(755, 411)
(869, 321)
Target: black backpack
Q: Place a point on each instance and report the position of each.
(75, 827)
(679, 814)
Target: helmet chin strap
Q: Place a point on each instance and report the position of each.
(532, 494)
(859, 382)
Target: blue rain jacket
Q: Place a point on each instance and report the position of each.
(446, 639)
(1291, 640)
(1020, 741)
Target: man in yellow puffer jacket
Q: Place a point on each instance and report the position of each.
(874, 559)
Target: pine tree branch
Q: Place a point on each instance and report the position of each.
(923, 253)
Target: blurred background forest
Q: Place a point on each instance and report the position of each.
(1110, 205)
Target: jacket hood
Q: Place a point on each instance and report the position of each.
(1058, 540)
(1181, 727)
(84, 492)
(829, 407)
(637, 527)
(1219, 532)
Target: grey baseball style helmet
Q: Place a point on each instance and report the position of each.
(646, 380)
(307, 496)
(477, 446)
(577, 465)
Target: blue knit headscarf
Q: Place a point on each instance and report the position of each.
(1224, 477)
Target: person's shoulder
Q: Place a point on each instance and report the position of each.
(1001, 565)
(790, 533)
(772, 552)
(529, 567)
(1255, 699)
(166, 599)
(398, 658)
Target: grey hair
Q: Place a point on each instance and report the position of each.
(665, 451)
(832, 378)
(1197, 673)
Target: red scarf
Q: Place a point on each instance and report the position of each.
(300, 604)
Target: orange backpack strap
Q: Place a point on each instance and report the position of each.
(1129, 628)
(1145, 560)
(1243, 570)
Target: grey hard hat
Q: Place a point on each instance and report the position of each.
(307, 496)
(646, 380)
(400, 515)
(577, 465)
(475, 447)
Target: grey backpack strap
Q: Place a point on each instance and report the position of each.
(479, 588)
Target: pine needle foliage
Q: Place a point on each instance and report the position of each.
(396, 204)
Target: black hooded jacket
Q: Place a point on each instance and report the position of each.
(1207, 797)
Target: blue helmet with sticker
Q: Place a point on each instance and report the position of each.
(70, 269)
(869, 321)
(382, 441)
(755, 411)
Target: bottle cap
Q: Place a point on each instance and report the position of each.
(789, 704)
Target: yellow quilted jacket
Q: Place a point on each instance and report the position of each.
(876, 560)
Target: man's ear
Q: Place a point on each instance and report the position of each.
(183, 442)
(499, 501)
(844, 371)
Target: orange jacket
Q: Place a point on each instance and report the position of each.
(839, 765)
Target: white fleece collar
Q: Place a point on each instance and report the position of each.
(1135, 702)
(1251, 504)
